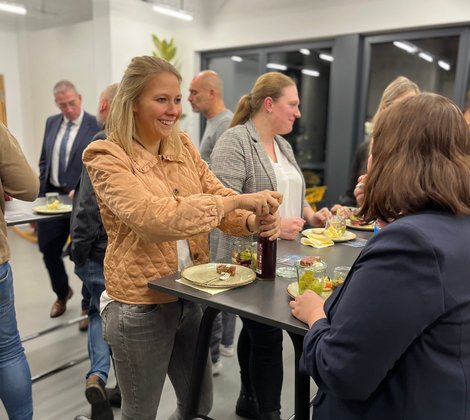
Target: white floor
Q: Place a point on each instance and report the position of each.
(61, 396)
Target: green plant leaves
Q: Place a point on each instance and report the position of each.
(164, 49)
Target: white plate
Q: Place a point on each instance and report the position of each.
(293, 291)
(316, 231)
(64, 208)
(369, 227)
(206, 275)
(347, 236)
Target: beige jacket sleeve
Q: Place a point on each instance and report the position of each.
(144, 195)
(18, 178)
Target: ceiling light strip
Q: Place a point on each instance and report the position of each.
(326, 57)
(179, 14)
(12, 8)
(309, 72)
(276, 66)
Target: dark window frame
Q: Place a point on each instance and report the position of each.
(462, 66)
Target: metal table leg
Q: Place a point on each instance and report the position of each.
(200, 361)
(302, 382)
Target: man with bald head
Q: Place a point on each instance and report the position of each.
(206, 97)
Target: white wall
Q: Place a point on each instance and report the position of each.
(55, 54)
(9, 67)
(248, 22)
(131, 29)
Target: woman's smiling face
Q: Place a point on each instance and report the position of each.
(158, 107)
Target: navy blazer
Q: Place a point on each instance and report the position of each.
(396, 341)
(88, 128)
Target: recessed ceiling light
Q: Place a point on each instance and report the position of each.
(427, 57)
(12, 8)
(407, 46)
(326, 57)
(443, 65)
(276, 66)
(176, 13)
(309, 72)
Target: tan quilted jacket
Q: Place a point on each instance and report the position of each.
(149, 202)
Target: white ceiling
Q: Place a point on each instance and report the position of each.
(44, 14)
(49, 13)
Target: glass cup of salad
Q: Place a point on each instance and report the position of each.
(244, 253)
(311, 276)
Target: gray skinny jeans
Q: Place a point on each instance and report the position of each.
(148, 342)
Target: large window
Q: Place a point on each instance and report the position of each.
(430, 62)
(238, 73)
(340, 83)
(310, 68)
(309, 65)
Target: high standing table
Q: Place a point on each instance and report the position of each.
(264, 301)
(19, 212)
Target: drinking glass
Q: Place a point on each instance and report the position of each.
(339, 275)
(335, 227)
(244, 253)
(312, 277)
(51, 198)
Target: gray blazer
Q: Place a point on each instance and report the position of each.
(240, 161)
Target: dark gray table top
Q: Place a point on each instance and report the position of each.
(18, 212)
(265, 301)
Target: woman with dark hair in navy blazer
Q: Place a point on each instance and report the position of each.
(394, 341)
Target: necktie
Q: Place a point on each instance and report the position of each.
(63, 153)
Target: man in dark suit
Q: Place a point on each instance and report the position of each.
(66, 136)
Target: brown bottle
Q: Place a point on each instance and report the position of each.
(266, 258)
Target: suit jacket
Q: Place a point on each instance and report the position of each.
(87, 130)
(88, 236)
(396, 340)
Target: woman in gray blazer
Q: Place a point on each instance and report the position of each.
(249, 157)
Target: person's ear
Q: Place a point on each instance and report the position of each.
(102, 105)
(268, 104)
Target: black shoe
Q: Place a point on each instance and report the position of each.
(271, 415)
(101, 411)
(95, 393)
(247, 406)
(114, 396)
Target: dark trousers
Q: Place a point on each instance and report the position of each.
(52, 237)
(260, 357)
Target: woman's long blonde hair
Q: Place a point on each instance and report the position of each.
(120, 126)
(267, 85)
(396, 89)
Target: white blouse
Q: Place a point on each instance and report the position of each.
(289, 183)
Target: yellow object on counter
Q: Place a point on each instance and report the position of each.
(55, 205)
(317, 241)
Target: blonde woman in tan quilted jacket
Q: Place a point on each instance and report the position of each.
(158, 201)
